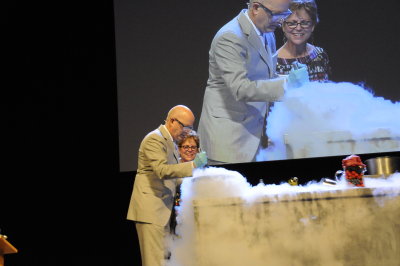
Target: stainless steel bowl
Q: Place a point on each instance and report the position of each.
(385, 166)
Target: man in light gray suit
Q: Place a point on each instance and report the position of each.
(242, 82)
(155, 183)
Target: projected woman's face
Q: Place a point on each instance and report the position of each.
(298, 27)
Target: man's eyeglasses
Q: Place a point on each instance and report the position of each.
(305, 24)
(276, 16)
(186, 128)
(187, 147)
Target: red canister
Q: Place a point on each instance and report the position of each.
(354, 170)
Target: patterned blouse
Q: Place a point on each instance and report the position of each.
(317, 63)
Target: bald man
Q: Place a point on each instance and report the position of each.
(155, 183)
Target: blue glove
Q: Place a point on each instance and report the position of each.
(200, 160)
(298, 76)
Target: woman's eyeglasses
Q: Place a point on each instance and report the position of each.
(187, 147)
(305, 24)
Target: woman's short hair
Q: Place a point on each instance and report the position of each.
(308, 5)
(191, 135)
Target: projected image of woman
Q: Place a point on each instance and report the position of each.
(298, 29)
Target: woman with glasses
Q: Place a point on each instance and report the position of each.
(188, 148)
(298, 29)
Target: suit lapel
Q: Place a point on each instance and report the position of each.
(176, 153)
(170, 143)
(255, 41)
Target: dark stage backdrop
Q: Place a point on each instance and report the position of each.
(162, 55)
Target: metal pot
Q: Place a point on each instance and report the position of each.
(385, 165)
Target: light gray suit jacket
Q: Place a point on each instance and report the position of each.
(156, 179)
(241, 82)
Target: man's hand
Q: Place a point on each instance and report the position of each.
(298, 76)
(200, 160)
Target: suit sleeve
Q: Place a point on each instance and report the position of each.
(230, 56)
(156, 151)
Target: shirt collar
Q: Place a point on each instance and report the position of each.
(169, 134)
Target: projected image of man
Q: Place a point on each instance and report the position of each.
(242, 82)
